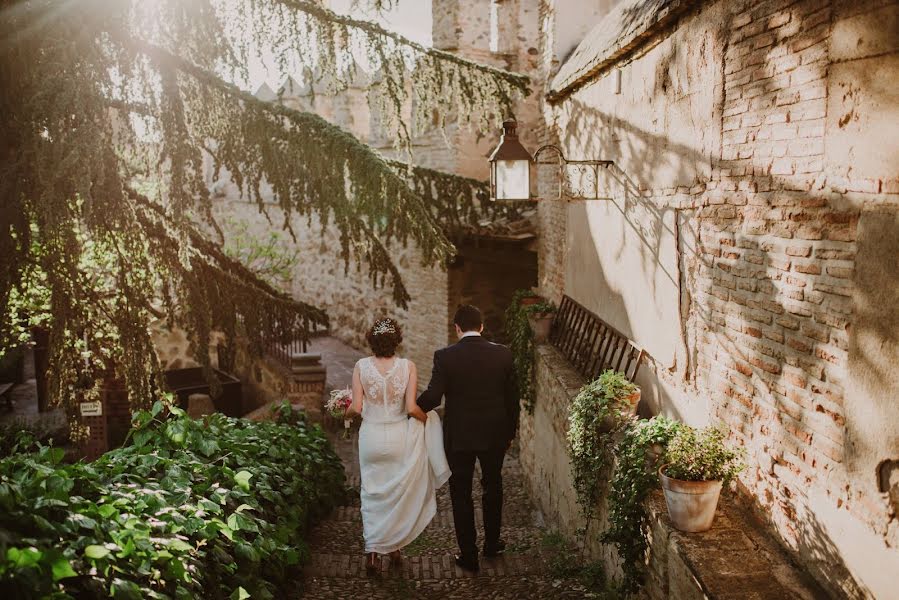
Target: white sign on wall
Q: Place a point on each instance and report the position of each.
(91, 409)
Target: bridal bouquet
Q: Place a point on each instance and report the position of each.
(337, 404)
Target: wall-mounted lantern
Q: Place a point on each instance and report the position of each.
(510, 167)
(510, 170)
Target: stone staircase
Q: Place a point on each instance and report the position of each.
(337, 566)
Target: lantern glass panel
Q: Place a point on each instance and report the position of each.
(512, 179)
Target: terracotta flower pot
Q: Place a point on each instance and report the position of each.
(691, 504)
(540, 324)
(634, 401)
(609, 422)
(531, 300)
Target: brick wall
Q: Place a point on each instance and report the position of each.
(776, 260)
(768, 128)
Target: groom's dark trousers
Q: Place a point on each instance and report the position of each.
(479, 422)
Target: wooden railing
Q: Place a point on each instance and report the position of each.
(590, 344)
(282, 351)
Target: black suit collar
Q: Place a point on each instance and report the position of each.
(471, 338)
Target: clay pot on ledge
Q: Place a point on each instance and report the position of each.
(609, 422)
(541, 323)
(691, 504)
(531, 300)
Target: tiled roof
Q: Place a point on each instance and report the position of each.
(624, 28)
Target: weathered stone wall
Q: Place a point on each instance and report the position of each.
(320, 278)
(352, 302)
(262, 380)
(544, 452)
(767, 131)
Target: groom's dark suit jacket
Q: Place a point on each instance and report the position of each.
(482, 407)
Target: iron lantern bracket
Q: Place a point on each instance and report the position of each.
(578, 179)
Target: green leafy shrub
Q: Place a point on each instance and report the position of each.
(600, 408)
(213, 508)
(702, 455)
(540, 308)
(24, 437)
(636, 474)
(521, 342)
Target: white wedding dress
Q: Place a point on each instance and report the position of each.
(402, 461)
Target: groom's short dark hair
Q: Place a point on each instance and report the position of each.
(468, 318)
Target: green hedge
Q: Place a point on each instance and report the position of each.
(189, 509)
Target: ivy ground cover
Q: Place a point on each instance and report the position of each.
(213, 508)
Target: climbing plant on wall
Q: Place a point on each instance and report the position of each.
(637, 456)
(521, 342)
(98, 96)
(595, 413)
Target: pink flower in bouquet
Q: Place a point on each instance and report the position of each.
(337, 404)
(339, 401)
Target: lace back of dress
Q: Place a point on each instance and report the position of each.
(384, 394)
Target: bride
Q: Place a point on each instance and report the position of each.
(401, 459)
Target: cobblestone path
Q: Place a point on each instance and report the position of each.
(337, 566)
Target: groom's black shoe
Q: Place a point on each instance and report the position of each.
(495, 550)
(468, 563)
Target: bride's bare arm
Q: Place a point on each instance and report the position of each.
(412, 407)
(356, 407)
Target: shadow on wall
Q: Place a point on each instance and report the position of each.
(784, 334)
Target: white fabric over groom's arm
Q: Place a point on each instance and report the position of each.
(440, 471)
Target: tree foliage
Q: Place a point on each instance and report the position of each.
(98, 96)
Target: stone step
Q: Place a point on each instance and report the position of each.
(512, 515)
(438, 538)
(463, 588)
(438, 566)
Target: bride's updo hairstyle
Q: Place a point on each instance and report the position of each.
(384, 337)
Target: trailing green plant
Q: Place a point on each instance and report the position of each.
(540, 308)
(521, 342)
(637, 456)
(213, 508)
(268, 254)
(598, 411)
(703, 455)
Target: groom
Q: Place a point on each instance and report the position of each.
(480, 419)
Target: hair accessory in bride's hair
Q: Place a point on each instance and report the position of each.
(384, 326)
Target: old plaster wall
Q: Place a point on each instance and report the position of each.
(753, 223)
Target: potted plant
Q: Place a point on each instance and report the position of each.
(638, 454)
(527, 298)
(698, 463)
(600, 409)
(540, 318)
